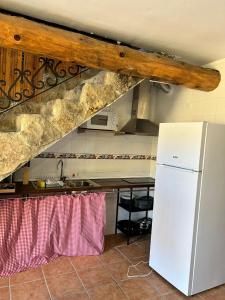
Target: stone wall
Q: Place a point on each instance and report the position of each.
(31, 128)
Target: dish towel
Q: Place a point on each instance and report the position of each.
(38, 230)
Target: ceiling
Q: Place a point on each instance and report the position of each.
(194, 30)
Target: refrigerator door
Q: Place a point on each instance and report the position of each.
(176, 194)
(181, 145)
(209, 267)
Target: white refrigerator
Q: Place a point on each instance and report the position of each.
(188, 231)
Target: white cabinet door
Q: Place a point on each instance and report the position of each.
(173, 224)
(181, 144)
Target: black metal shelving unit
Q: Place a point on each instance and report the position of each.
(130, 208)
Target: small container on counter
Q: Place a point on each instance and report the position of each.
(41, 183)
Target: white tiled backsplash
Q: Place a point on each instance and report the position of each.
(92, 142)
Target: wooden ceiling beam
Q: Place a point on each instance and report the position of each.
(37, 38)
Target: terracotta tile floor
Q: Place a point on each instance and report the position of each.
(98, 277)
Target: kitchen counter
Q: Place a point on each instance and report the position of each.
(101, 185)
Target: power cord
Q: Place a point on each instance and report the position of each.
(128, 270)
(140, 275)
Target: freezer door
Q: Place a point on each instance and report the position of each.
(175, 200)
(181, 144)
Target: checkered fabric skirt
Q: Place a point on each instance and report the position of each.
(36, 231)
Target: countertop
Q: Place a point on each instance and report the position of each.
(104, 184)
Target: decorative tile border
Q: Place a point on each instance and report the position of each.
(96, 156)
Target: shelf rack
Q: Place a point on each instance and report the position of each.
(131, 209)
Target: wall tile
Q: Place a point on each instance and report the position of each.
(95, 155)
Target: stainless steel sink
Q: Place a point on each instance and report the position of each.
(73, 183)
(54, 186)
(80, 183)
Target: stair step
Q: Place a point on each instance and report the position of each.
(32, 128)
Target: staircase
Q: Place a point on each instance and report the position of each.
(31, 128)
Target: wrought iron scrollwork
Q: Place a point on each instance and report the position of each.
(51, 72)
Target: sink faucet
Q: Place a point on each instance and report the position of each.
(60, 162)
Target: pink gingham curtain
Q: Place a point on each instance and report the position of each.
(36, 231)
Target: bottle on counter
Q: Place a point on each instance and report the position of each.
(26, 175)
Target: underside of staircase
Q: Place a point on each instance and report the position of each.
(31, 128)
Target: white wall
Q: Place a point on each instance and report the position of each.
(187, 105)
(99, 142)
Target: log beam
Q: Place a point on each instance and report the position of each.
(37, 38)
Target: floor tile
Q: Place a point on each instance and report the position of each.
(114, 240)
(119, 270)
(35, 290)
(85, 262)
(111, 256)
(217, 293)
(60, 285)
(95, 276)
(98, 274)
(142, 265)
(138, 289)
(108, 291)
(160, 283)
(4, 281)
(145, 244)
(61, 265)
(135, 260)
(73, 296)
(30, 275)
(4, 293)
(179, 296)
(132, 250)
